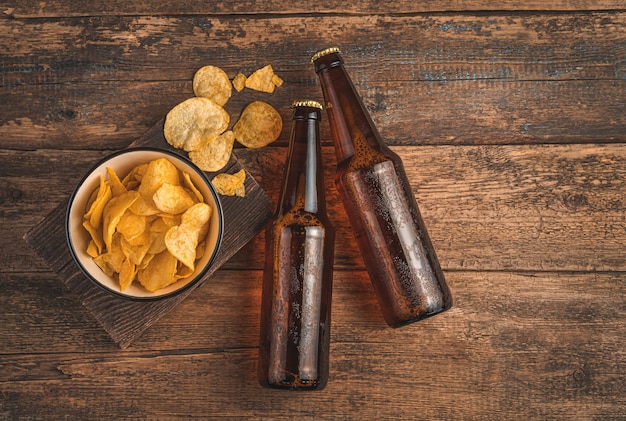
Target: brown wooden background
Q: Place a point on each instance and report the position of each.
(511, 120)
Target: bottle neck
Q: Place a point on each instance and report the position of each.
(347, 116)
(303, 179)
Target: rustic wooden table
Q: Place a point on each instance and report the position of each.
(511, 121)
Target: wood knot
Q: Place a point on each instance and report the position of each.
(581, 377)
(9, 192)
(62, 114)
(574, 200)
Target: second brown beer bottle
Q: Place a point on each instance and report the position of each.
(297, 278)
(380, 205)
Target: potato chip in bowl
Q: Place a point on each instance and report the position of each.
(144, 224)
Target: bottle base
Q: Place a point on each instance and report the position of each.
(395, 323)
(295, 386)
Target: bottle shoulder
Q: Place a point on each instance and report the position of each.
(367, 158)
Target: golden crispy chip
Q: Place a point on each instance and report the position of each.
(159, 273)
(172, 199)
(239, 82)
(92, 249)
(158, 229)
(197, 215)
(215, 154)
(113, 212)
(127, 274)
(212, 82)
(230, 184)
(135, 251)
(134, 177)
(96, 237)
(182, 240)
(134, 216)
(158, 172)
(189, 184)
(144, 206)
(201, 248)
(171, 220)
(140, 240)
(94, 213)
(131, 225)
(183, 272)
(263, 80)
(117, 187)
(194, 122)
(259, 125)
(111, 261)
(277, 81)
(146, 261)
(157, 242)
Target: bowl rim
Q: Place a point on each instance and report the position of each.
(199, 275)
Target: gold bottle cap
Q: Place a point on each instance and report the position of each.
(307, 103)
(324, 52)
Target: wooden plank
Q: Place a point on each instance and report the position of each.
(550, 207)
(431, 79)
(420, 113)
(528, 345)
(34, 9)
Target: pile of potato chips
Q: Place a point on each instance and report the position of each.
(199, 124)
(150, 226)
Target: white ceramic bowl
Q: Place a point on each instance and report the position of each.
(122, 162)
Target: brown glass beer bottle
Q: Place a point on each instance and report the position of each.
(381, 207)
(297, 278)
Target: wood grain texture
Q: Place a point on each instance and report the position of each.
(511, 121)
(427, 79)
(538, 344)
(32, 9)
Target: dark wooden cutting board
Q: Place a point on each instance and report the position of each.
(123, 319)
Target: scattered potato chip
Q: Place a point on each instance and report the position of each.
(117, 187)
(131, 225)
(134, 177)
(96, 238)
(135, 251)
(198, 125)
(215, 154)
(277, 81)
(113, 212)
(196, 216)
(263, 80)
(94, 213)
(259, 125)
(239, 82)
(92, 249)
(230, 184)
(158, 229)
(128, 221)
(127, 274)
(172, 199)
(212, 82)
(111, 261)
(194, 122)
(189, 184)
(157, 173)
(182, 240)
(159, 273)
